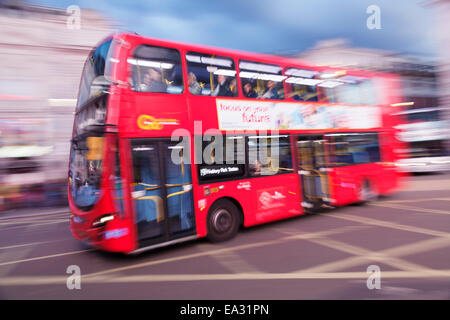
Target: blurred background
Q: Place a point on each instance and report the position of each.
(43, 45)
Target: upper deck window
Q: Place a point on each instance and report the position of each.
(341, 88)
(93, 80)
(156, 69)
(356, 90)
(261, 80)
(302, 84)
(327, 87)
(211, 75)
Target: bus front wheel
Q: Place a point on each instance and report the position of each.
(223, 221)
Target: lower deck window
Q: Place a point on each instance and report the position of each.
(349, 149)
(269, 155)
(239, 156)
(222, 157)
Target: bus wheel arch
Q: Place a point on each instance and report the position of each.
(223, 220)
(367, 191)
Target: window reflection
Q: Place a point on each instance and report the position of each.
(269, 155)
(358, 148)
(302, 84)
(211, 75)
(85, 171)
(93, 81)
(261, 80)
(156, 69)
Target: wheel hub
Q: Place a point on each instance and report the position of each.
(222, 220)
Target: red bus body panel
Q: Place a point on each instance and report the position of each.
(261, 199)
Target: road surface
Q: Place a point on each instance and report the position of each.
(405, 236)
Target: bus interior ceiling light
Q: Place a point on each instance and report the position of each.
(207, 60)
(211, 69)
(330, 84)
(327, 75)
(149, 63)
(259, 67)
(301, 73)
(224, 72)
(261, 76)
(303, 81)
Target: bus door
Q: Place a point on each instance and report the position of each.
(162, 191)
(312, 169)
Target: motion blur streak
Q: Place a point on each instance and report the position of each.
(41, 62)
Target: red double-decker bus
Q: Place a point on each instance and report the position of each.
(173, 142)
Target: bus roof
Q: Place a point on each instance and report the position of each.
(260, 57)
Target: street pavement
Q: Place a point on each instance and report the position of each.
(406, 236)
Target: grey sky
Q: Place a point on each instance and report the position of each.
(273, 26)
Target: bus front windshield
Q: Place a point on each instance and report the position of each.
(85, 171)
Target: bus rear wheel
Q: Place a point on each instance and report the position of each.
(223, 221)
(366, 192)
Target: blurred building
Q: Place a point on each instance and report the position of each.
(441, 9)
(426, 93)
(41, 58)
(418, 74)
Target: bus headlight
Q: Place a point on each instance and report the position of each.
(101, 221)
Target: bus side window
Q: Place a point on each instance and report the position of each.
(352, 149)
(156, 69)
(329, 85)
(355, 90)
(222, 157)
(301, 84)
(269, 155)
(326, 94)
(261, 80)
(211, 75)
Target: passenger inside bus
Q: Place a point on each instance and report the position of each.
(233, 87)
(255, 168)
(304, 92)
(271, 91)
(261, 80)
(222, 88)
(249, 92)
(215, 75)
(156, 69)
(152, 81)
(194, 86)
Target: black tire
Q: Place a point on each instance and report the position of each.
(366, 193)
(315, 209)
(223, 222)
